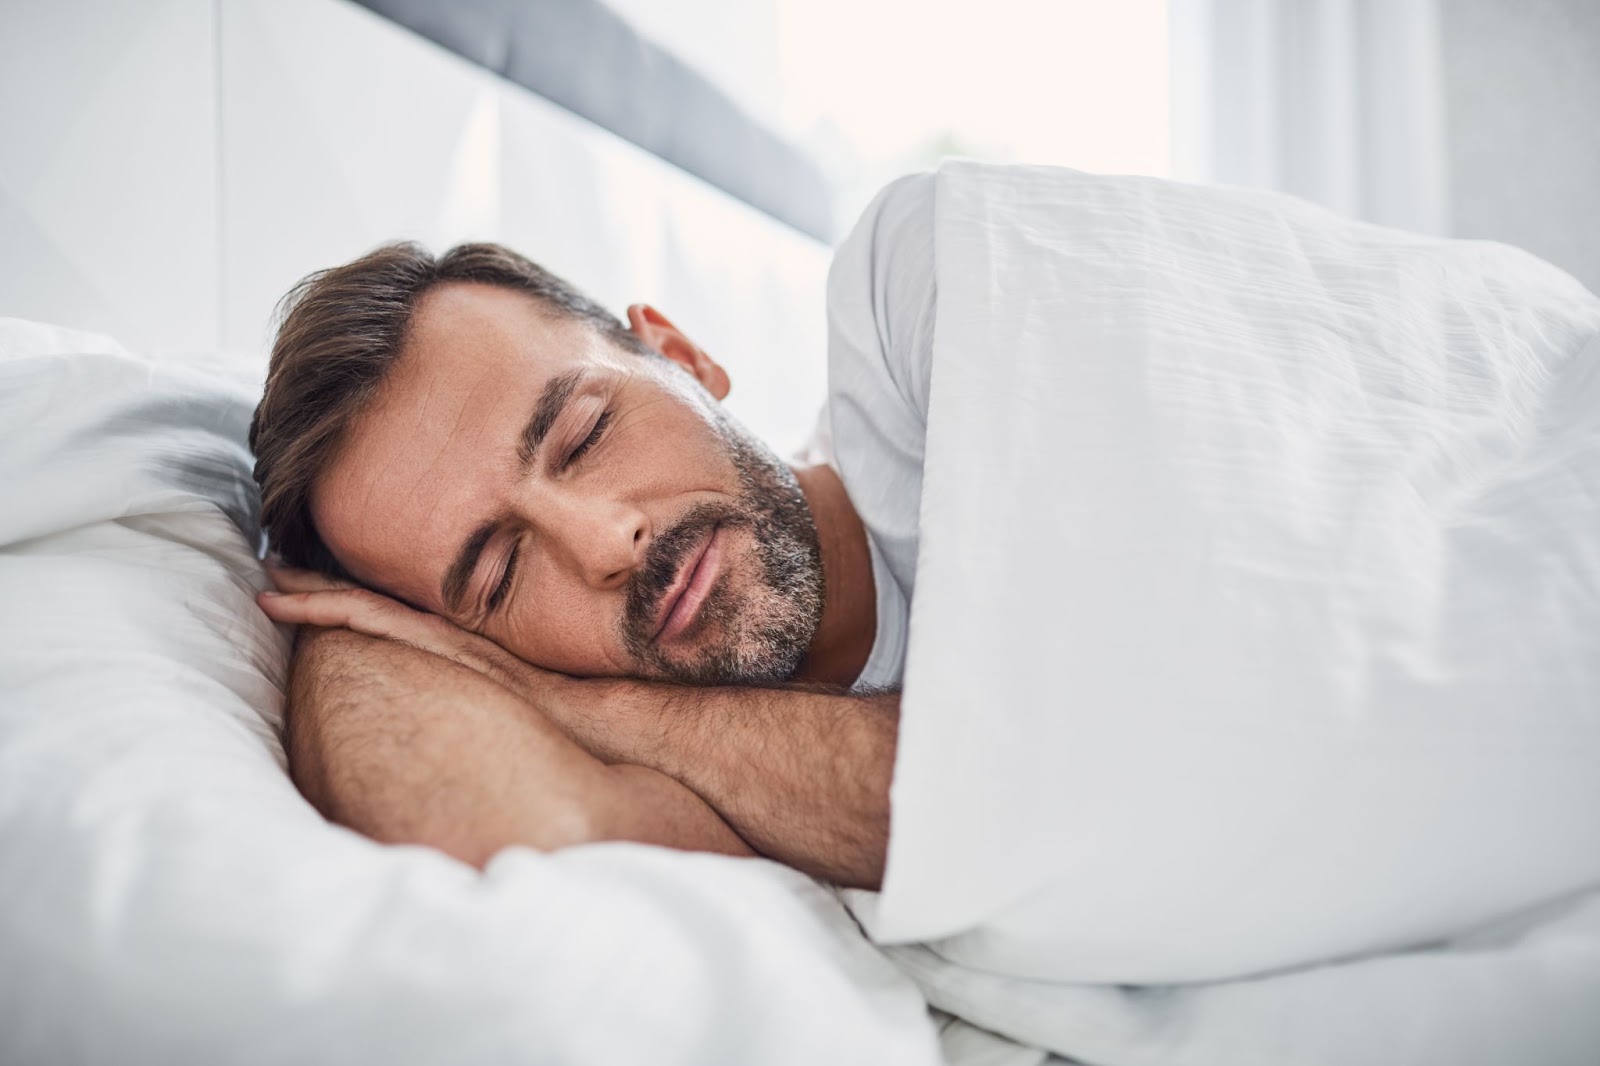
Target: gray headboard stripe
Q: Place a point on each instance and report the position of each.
(583, 56)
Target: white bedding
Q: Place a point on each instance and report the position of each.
(1187, 790)
(1256, 634)
(1522, 993)
(167, 897)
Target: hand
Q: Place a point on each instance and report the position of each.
(305, 597)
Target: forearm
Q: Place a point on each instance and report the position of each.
(405, 746)
(802, 776)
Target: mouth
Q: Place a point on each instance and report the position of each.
(683, 600)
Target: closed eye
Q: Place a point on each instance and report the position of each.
(501, 590)
(498, 596)
(590, 441)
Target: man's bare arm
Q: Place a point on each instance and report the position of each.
(405, 746)
(803, 776)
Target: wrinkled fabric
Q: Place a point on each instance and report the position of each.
(1257, 611)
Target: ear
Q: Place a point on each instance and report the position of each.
(652, 327)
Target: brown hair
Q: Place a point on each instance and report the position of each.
(341, 330)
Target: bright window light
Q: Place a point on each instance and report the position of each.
(881, 87)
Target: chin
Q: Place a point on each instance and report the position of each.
(755, 638)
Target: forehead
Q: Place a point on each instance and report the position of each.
(464, 326)
(426, 453)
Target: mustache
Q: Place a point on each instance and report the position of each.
(664, 558)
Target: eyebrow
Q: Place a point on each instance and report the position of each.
(552, 401)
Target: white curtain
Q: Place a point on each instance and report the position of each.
(1337, 101)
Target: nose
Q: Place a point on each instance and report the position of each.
(603, 540)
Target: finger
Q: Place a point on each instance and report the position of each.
(294, 579)
(298, 608)
(376, 615)
(357, 609)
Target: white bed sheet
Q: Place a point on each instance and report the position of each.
(1521, 992)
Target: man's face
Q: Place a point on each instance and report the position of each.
(591, 510)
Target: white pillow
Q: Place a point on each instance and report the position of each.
(165, 894)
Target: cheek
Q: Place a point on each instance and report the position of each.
(565, 626)
(668, 446)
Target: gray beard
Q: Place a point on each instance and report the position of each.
(763, 636)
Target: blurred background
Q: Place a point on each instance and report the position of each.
(168, 168)
(1472, 118)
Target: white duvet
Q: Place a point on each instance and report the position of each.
(1254, 657)
(167, 897)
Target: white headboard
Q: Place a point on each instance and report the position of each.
(169, 168)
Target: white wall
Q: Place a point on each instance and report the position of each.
(169, 168)
(1523, 90)
(108, 168)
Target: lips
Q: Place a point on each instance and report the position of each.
(689, 589)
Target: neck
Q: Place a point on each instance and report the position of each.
(849, 623)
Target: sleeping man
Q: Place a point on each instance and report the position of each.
(1161, 547)
(566, 499)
